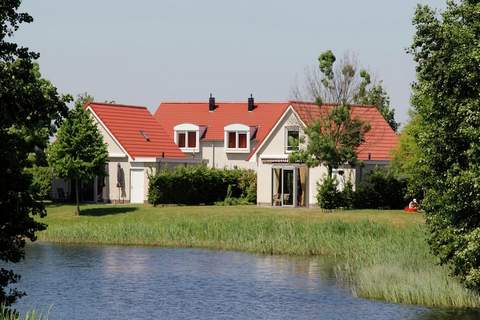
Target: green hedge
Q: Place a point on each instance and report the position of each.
(41, 182)
(200, 185)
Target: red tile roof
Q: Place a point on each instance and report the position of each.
(264, 117)
(125, 123)
(379, 141)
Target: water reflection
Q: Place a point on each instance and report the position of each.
(105, 282)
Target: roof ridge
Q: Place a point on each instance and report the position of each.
(224, 102)
(116, 105)
(331, 104)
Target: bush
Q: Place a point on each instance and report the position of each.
(380, 189)
(200, 185)
(41, 182)
(328, 197)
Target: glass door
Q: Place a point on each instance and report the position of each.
(288, 188)
(284, 190)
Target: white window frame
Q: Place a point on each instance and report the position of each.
(237, 128)
(287, 129)
(186, 128)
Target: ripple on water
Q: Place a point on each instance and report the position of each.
(108, 282)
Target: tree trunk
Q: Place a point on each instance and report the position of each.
(77, 212)
(330, 171)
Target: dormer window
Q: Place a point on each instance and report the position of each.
(187, 137)
(237, 138)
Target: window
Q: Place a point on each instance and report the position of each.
(192, 139)
(237, 138)
(292, 139)
(232, 140)
(181, 139)
(187, 137)
(242, 140)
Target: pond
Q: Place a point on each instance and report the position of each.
(109, 282)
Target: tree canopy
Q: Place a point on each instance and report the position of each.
(79, 151)
(28, 105)
(343, 82)
(446, 97)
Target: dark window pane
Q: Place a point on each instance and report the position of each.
(181, 140)
(232, 140)
(242, 140)
(192, 139)
(293, 139)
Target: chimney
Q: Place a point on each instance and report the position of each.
(211, 103)
(251, 103)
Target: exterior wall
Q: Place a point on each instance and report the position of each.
(111, 192)
(264, 184)
(276, 143)
(213, 154)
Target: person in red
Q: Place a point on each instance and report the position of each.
(412, 206)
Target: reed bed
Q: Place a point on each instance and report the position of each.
(380, 254)
(9, 314)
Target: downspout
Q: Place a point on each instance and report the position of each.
(213, 154)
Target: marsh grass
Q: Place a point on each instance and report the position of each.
(9, 314)
(380, 254)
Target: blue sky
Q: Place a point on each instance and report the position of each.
(143, 52)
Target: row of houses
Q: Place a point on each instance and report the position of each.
(250, 134)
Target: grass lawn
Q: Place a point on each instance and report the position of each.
(381, 254)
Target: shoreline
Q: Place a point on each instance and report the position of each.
(381, 255)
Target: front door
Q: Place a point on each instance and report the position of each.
(137, 185)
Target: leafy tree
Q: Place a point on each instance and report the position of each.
(332, 140)
(406, 163)
(28, 105)
(79, 151)
(342, 82)
(374, 94)
(446, 96)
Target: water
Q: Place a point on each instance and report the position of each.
(108, 282)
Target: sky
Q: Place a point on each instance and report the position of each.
(147, 51)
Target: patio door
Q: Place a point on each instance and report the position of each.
(284, 186)
(289, 186)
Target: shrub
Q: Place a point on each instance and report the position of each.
(380, 189)
(41, 182)
(200, 185)
(328, 197)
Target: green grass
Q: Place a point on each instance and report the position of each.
(380, 254)
(8, 314)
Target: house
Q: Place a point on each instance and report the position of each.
(258, 135)
(251, 135)
(220, 134)
(137, 146)
(280, 183)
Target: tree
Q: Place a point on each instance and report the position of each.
(332, 139)
(406, 162)
(28, 105)
(446, 96)
(79, 151)
(343, 83)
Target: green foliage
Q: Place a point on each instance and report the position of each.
(28, 106)
(328, 197)
(406, 163)
(200, 184)
(9, 314)
(332, 139)
(374, 94)
(41, 182)
(446, 96)
(380, 189)
(79, 151)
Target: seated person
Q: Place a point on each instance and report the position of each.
(413, 204)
